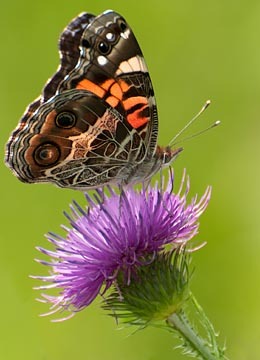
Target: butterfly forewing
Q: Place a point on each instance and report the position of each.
(69, 52)
(112, 66)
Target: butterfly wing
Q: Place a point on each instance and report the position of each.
(78, 141)
(69, 52)
(112, 66)
(102, 80)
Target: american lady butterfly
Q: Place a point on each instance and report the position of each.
(96, 120)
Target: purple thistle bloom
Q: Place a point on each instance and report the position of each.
(116, 232)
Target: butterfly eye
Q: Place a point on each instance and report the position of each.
(122, 25)
(65, 120)
(104, 47)
(46, 154)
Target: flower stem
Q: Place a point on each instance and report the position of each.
(180, 323)
(194, 345)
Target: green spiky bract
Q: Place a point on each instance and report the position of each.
(155, 291)
(158, 294)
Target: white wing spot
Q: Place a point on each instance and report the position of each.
(134, 64)
(110, 36)
(102, 60)
(125, 35)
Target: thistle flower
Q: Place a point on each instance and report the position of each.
(115, 236)
(134, 241)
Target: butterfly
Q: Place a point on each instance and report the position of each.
(96, 121)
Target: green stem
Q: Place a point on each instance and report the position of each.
(180, 323)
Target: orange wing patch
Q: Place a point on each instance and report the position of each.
(113, 101)
(116, 89)
(86, 84)
(136, 119)
(133, 101)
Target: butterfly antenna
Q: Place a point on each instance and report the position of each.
(216, 123)
(204, 107)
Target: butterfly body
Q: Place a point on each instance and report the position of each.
(96, 121)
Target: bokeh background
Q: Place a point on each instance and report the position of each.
(195, 50)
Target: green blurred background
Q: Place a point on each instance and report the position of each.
(195, 50)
